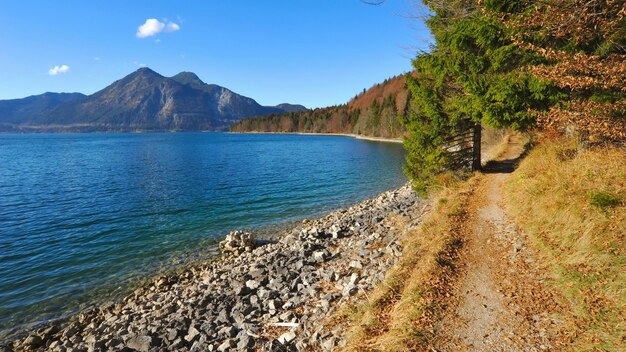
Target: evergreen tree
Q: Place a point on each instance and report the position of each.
(471, 75)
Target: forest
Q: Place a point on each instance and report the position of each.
(376, 112)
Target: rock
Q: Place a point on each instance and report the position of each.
(94, 344)
(192, 334)
(287, 337)
(349, 290)
(226, 345)
(172, 334)
(329, 344)
(274, 304)
(228, 331)
(354, 278)
(223, 317)
(224, 304)
(70, 331)
(33, 341)
(199, 346)
(245, 342)
(238, 242)
(49, 330)
(321, 256)
(141, 343)
(287, 316)
(241, 290)
(335, 231)
(114, 344)
(356, 264)
(252, 284)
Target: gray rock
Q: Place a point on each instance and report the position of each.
(94, 343)
(199, 346)
(245, 342)
(172, 334)
(287, 337)
(356, 264)
(33, 341)
(349, 290)
(321, 256)
(252, 284)
(228, 331)
(223, 317)
(241, 290)
(226, 345)
(274, 304)
(141, 343)
(238, 242)
(192, 334)
(329, 344)
(354, 278)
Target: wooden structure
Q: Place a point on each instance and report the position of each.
(463, 147)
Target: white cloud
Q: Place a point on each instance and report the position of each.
(58, 69)
(152, 26)
(97, 58)
(172, 27)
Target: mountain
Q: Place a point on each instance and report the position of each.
(12, 111)
(374, 112)
(188, 78)
(142, 101)
(291, 107)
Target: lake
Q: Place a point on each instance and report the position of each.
(84, 215)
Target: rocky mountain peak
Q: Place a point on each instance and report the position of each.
(188, 78)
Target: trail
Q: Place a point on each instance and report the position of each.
(500, 302)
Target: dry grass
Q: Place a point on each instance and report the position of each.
(400, 313)
(571, 203)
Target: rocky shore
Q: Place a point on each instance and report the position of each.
(271, 297)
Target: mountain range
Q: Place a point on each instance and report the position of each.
(142, 101)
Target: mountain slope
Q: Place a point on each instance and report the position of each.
(291, 107)
(12, 111)
(141, 101)
(375, 112)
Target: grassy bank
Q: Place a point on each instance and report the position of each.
(571, 203)
(399, 314)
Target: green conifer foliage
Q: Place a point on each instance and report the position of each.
(472, 73)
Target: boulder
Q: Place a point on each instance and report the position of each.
(140, 343)
(238, 242)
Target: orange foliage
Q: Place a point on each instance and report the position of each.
(585, 42)
(395, 85)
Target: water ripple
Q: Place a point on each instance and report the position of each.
(81, 215)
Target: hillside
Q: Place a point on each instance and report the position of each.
(142, 101)
(375, 112)
(12, 111)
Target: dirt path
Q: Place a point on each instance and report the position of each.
(499, 301)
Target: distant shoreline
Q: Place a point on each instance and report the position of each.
(357, 136)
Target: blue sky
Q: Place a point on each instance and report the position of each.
(311, 52)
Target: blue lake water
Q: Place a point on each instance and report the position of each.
(81, 215)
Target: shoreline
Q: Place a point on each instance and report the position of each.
(278, 293)
(357, 136)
